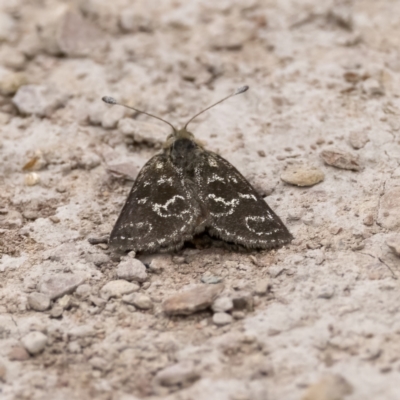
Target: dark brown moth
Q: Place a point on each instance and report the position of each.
(186, 190)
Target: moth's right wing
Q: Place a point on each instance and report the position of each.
(237, 213)
(160, 212)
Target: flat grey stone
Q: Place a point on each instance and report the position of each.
(58, 285)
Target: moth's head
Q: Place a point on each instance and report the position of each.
(177, 133)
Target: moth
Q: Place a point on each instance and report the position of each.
(186, 190)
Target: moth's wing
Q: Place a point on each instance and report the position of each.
(160, 212)
(237, 213)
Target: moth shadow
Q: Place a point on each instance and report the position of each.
(204, 240)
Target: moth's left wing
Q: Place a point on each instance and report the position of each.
(237, 213)
(160, 212)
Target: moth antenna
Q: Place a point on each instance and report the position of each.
(240, 90)
(111, 100)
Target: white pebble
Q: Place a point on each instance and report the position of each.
(221, 318)
(34, 342)
(31, 179)
(142, 302)
(222, 304)
(132, 269)
(39, 301)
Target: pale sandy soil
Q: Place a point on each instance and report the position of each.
(323, 75)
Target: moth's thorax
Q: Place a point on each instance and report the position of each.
(183, 152)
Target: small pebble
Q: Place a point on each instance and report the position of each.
(13, 58)
(58, 285)
(222, 304)
(56, 311)
(39, 301)
(65, 302)
(74, 347)
(330, 387)
(97, 301)
(238, 314)
(131, 269)
(262, 287)
(34, 342)
(157, 265)
(326, 292)
(142, 302)
(99, 363)
(275, 270)
(341, 159)
(222, 318)
(146, 285)
(389, 210)
(83, 291)
(129, 298)
(81, 331)
(211, 279)
(302, 175)
(117, 289)
(18, 353)
(192, 300)
(358, 139)
(369, 220)
(11, 82)
(372, 87)
(111, 117)
(98, 259)
(38, 100)
(31, 215)
(31, 179)
(177, 374)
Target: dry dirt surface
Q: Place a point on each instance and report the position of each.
(317, 135)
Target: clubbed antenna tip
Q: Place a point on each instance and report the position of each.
(242, 89)
(109, 100)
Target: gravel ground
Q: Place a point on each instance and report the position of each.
(317, 134)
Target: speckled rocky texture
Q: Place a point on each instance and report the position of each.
(324, 76)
